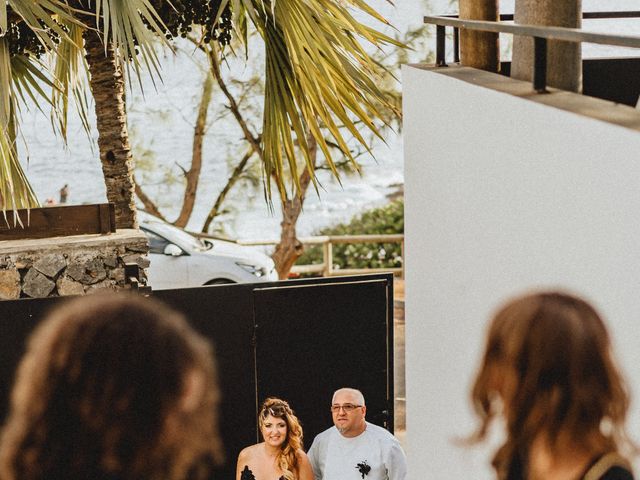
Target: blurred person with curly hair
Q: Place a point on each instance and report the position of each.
(113, 387)
(280, 455)
(549, 375)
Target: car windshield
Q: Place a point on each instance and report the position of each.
(175, 235)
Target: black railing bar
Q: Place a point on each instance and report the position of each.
(507, 17)
(540, 64)
(441, 60)
(456, 45)
(575, 35)
(592, 15)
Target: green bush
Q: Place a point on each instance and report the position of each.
(384, 220)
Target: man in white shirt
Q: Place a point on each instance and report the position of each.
(354, 449)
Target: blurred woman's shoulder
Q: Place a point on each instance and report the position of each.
(610, 466)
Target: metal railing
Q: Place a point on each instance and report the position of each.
(326, 268)
(541, 35)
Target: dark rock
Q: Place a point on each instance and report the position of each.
(111, 261)
(50, 265)
(36, 285)
(94, 272)
(76, 271)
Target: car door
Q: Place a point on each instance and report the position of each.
(165, 271)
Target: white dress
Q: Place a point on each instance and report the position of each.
(375, 454)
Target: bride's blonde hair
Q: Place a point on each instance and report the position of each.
(287, 459)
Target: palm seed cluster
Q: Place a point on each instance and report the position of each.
(179, 17)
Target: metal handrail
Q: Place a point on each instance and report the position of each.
(540, 34)
(549, 33)
(505, 17)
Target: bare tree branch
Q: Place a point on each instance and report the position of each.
(235, 176)
(254, 140)
(193, 175)
(149, 205)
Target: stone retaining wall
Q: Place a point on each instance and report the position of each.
(75, 265)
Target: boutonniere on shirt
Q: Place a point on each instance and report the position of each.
(363, 468)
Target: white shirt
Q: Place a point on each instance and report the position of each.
(375, 454)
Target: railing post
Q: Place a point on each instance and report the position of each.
(456, 45)
(327, 256)
(540, 65)
(402, 255)
(564, 59)
(479, 49)
(441, 60)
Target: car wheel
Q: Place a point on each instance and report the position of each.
(219, 281)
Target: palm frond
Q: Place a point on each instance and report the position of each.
(15, 190)
(122, 23)
(319, 80)
(70, 74)
(4, 23)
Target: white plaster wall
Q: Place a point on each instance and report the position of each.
(504, 195)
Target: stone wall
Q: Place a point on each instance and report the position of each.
(75, 265)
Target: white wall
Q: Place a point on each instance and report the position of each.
(504, 195)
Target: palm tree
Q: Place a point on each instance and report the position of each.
(319, 76)
(109, 34)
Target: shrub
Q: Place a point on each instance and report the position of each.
(388, 219)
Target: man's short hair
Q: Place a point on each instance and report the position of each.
(358, 394)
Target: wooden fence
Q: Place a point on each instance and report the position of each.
(327, 241)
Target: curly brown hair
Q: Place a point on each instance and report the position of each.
(548, 363)
(287, 458)
(114, 387)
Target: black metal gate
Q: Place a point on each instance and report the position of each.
(299, 340)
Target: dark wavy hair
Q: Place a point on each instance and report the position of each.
(548, 362)
(287, 458)
(112, 387)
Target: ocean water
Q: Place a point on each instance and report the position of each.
(161, 125)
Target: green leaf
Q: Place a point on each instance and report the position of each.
(319, 80)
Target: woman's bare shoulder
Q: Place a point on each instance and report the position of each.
(302, 456)
(305, 472)
(249, 452)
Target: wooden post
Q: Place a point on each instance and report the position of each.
(564, 59)
(327, 254)
(479, 49)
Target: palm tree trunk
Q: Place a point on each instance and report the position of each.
(290, 248)
(108, 88)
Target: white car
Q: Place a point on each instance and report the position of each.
(180, 260)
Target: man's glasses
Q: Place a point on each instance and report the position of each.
(347, 407)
